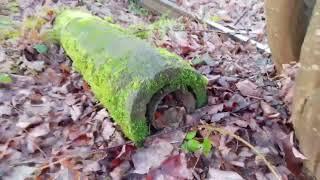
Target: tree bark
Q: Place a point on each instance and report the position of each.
(287, 21)
(306, 106)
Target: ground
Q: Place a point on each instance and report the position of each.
(51, 125)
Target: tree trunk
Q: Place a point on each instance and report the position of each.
(306, 106)
(287, 21)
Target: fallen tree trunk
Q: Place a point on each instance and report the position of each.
(306, 106)
(123, 71)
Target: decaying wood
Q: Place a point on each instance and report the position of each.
(306, 108)
(123, 71)
(287, 21)
(170, 8)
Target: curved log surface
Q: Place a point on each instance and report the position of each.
(123, 71)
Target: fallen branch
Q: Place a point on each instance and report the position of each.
(170, 8)
(240, 18)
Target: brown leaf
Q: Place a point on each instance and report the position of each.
(219, 116)
(248, 88)
(298, 154)
(83, 140)
(215, 108)
(26, 121)
(40, 130)
(107, 129)
(213, 78)
(120, 171)
(289, 97)
(101, 115)
(171, 117)
(216, 174)
(284, 140)
(86, 87)
(269, 111)
(20, 173)
(174, 167)
(75, 112)
(36, 98)
(294, 164)
(92, 166)
(2, 55)
(5, 109)
(151, 157)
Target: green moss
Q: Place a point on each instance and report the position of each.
(5, 78)
(123, 71)
(136, 9)
(161, 27)
(8, 28)
(14, 7)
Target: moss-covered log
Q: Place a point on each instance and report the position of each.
(124, 72)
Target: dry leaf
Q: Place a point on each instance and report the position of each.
(219, 116)
(2, 55)
(25, 121)
(248, 88)
(75, 112)
(5, 109)
(175, 167)
(269, 111)
(151, 157)
(93, 166)
(298, 154)
(119, 171)
(101, 115)
(40, 130)
(107, 129)
(215, 108)
(216, 174)
(20, 173)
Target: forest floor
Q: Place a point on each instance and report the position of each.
(52, 127)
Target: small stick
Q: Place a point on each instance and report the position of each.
(36, 145)
(56, 162)
(243, 14)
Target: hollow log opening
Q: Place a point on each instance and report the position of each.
(167, 108)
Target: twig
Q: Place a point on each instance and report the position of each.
(239, 19)
(247, 105)
(254, 97)
(55, 162)
(226, 132)
(201, 30)
(38, 147)
(221, 88)
(195, 164)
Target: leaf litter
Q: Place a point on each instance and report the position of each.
(52, 126)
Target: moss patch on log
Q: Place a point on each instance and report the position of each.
(124, 72)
